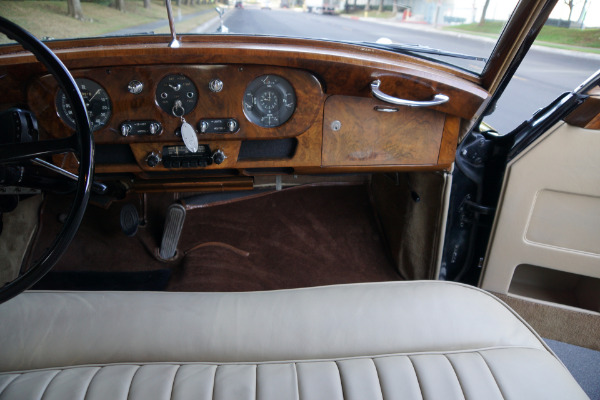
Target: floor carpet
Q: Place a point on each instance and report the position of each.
(297, 237)
(584, 365)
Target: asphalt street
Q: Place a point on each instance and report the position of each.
(543, 75)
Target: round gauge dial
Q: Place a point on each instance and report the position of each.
(96, 100)
(269, 101)
(176, 95)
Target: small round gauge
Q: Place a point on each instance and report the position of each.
(96, 100)
(176, 95)
(269, 101)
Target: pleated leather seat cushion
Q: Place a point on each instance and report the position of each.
(393, 340)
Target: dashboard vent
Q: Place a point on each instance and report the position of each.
(267, 149)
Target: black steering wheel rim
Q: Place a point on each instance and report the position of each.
(83, 145)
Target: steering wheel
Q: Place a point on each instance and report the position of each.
(82, 143)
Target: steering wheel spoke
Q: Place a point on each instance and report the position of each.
(13, 152)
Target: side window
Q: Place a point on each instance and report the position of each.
(566, 53)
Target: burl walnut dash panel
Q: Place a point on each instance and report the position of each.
(143, 106)
(408, 136)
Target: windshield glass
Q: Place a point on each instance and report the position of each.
(466, 27)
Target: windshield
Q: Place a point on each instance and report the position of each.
(466, 27)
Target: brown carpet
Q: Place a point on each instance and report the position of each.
(580, 328)
(307, 236)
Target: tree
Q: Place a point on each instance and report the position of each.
(570, 4)
(147, 3)
(395, 7)
(74, 9)
(485, 7)
(380, 6)
(368, 6)
(119, 5)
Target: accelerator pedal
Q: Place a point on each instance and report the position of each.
(173, 228)
(130, 220)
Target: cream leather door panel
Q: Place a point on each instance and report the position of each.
(545, 242)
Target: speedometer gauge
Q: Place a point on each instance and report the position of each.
(269, 101)
(96, 100)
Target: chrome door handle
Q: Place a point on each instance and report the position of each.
(437, 99)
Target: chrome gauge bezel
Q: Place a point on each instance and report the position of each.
(269, 101)
(97, 103)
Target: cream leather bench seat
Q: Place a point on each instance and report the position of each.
(393, 340)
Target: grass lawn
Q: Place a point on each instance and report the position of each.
(490, 27)
(572, 37)
(187, 26)
(48, 18)
(550, 35)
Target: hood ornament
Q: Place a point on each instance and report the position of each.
(222, 28)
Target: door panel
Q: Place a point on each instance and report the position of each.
(549, 216)
(556, 213)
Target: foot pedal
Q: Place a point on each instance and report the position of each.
(130, 220)
(173, 228)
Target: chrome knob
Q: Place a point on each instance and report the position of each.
(135, 87)
(232, 125)
(125, 129)
(154, 128)
(218, 157)
(203, 126)
(153, 159)
(216, 85)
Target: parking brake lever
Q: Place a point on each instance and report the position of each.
(97, 187)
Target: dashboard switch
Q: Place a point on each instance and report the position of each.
(131, 128)
(155, 128)
(203, 126)
(218, 125)
(126, 129)
(232, 125)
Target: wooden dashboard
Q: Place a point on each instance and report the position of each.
(336, 126)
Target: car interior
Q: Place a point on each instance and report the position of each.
(260, 217)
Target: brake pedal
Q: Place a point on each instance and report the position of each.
(173, 228)
(130, 220)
